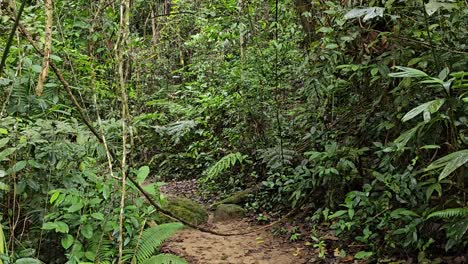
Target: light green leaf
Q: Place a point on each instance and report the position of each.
(445, 159)
(3, 142)
(87, 231)
(434, 5)
(55, 58)
(75, 207)
(3, 131)
(49, 225)
(428, 107)
(6, 152)
(36, 68)
(406, 72)
(363, 254)
(453, 165)
(4, 187)
(98, 216)
(90, 255)
(142, 173)
(61, 227)
(67, 241)
(368, 13)
(19, 166)
(54, 196)
(28, 261)
(337, 214)
(402, 212)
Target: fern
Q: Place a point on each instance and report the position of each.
(275, 157)
(177, 129)
(222, 165)
(450, 213)
(152, 238)
(165, 259)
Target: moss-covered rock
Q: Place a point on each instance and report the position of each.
(225, 212)
(237, 197)
(185, 209)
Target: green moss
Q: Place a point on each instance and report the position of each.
(228, 211)
(237, 197)
(185, 209)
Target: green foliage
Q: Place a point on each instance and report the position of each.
(151, 240)
(450, 213)
(225, 163)
(307, 104)
(165, 259)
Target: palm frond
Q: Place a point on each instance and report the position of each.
(222, 165)
(450, 213)
(152, 238)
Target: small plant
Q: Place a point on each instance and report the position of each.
(262, 218)
(320, 245)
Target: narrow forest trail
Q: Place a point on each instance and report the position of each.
(254, 248)
(260, 247)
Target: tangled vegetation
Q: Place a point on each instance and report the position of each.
(355, 111)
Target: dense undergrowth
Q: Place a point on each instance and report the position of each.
(357, 112)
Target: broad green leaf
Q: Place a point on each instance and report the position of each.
(55, 58)
(49, 225)
(453, 165)
(87, 231)
(430, 147)
(402, 211)
(19, 166)
(67, 241)
(36, 68)
(90, 255)
(75, 207)
(4, 81)
(4, 187)
(6, 152)
(3, 131)
(434, 5)
(61, 227)
(3, 142)
(98, 216)
(28, 261)
(150, 188)
(406, 72)
(368, 13)
(142, 173)
(429, 107)
(54, 196)
(445, 159)
(338, 214)
(363, 254)
(433, 187)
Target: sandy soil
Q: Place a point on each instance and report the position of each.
(255, 248)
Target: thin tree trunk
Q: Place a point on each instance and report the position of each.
(121, 52)
(47, 47)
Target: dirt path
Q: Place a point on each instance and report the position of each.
(255, 248)
(197, 247)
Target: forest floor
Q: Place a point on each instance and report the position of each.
(259, 247)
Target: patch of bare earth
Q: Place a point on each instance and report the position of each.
(259, 247)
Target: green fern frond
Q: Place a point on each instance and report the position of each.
(165, 259)
(276, 156)
(152, 238)
(222, 165)
(450, 213)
